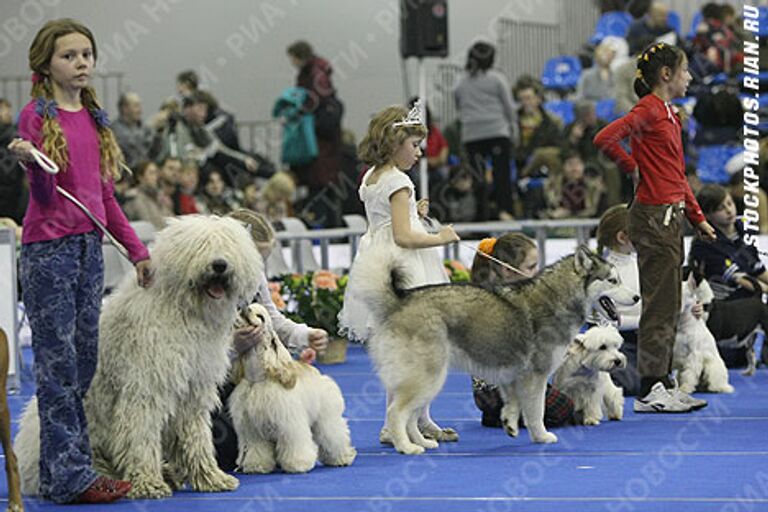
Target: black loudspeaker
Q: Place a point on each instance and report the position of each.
(424, 28)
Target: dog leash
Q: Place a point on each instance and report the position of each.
(434, 223)
(50, 167)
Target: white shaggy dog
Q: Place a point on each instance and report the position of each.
(584, 377)
(695, 357)
(162, 353)
(284, 410)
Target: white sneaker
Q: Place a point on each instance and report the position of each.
(695, 403)
(660, 400)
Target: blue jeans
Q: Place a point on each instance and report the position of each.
(62, 283)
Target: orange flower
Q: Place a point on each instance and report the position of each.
(456, 265)
(324, 279)
(277, 298)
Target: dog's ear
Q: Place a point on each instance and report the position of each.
(583, 259)
(577, 345)
(285, 374)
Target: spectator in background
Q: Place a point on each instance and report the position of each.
(185, 194)
(572, 193)
(14, 190)
(650, 27)
(147, 201)
(319, 176)
(217, 197)
(537, 127)
(716, 48)
(187, 83)
(623, 85)
(487, 122)
(596, 83)
(168, 175)
(138, 141)
(579, 135)
(279, 193)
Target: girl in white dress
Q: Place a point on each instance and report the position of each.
(391, 147)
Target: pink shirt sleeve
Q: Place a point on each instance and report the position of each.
(41, 184)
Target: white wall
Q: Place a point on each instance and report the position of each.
(238, 46)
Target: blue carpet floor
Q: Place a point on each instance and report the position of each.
(712, 460)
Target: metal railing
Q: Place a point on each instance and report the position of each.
(581, 227)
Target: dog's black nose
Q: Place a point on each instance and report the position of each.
(219, 266)
(636, 298)
(617, 362)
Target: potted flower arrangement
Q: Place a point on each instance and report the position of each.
(457, 272)
(314, 298)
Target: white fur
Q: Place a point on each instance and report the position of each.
(162, 353)
(285, 412)
(696, 359)
(584, 376)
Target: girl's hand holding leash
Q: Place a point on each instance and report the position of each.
(448, 235)
(144, 273)
(22, 149)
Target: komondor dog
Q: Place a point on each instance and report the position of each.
(695, 356)
(162, 353)
(285, 412)
(584, 377)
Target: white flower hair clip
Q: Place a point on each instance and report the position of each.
(414, 117)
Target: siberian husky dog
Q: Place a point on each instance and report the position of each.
(512, 334)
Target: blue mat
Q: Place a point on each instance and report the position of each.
(711, 460)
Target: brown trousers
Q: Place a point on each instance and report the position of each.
(660, 258)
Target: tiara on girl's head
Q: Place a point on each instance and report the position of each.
(413, 118)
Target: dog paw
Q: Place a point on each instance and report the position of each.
(149, 488)
(727, 388)
(510, 429)
(384, 436)
(429, 444)
(545, 438)
(257, 467)
(214, 481)
(444, 435)
(346, 459)
(687, 388)
(297, 465)
(410, 449)
(748, 372)
(591, 421)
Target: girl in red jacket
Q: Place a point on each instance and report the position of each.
(662, 197)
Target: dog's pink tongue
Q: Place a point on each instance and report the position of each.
(216, 291)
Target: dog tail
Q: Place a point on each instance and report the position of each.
(379, 279)
(26, 446)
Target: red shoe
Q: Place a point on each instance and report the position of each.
(104, 490)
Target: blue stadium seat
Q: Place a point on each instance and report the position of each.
(561, 108)
(763, 20)
(697, 18)
(673, 18)
(605, 109)
(561, 73)
(612, 23)
(712, 160)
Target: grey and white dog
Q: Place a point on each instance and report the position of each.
(513, 335)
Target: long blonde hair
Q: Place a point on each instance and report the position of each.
(54, 143)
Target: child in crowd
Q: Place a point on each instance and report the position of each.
(61, 259)
(571, 193)
(300, 339)
(614, 245)
(662, 194)
(147, 201)
(519, 251)
(184, 199)
(735, 273)
(391, 147)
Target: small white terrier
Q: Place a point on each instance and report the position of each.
(584, 377)
(695, 357)
(285, 412)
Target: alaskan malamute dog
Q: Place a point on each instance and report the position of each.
(513, 335)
